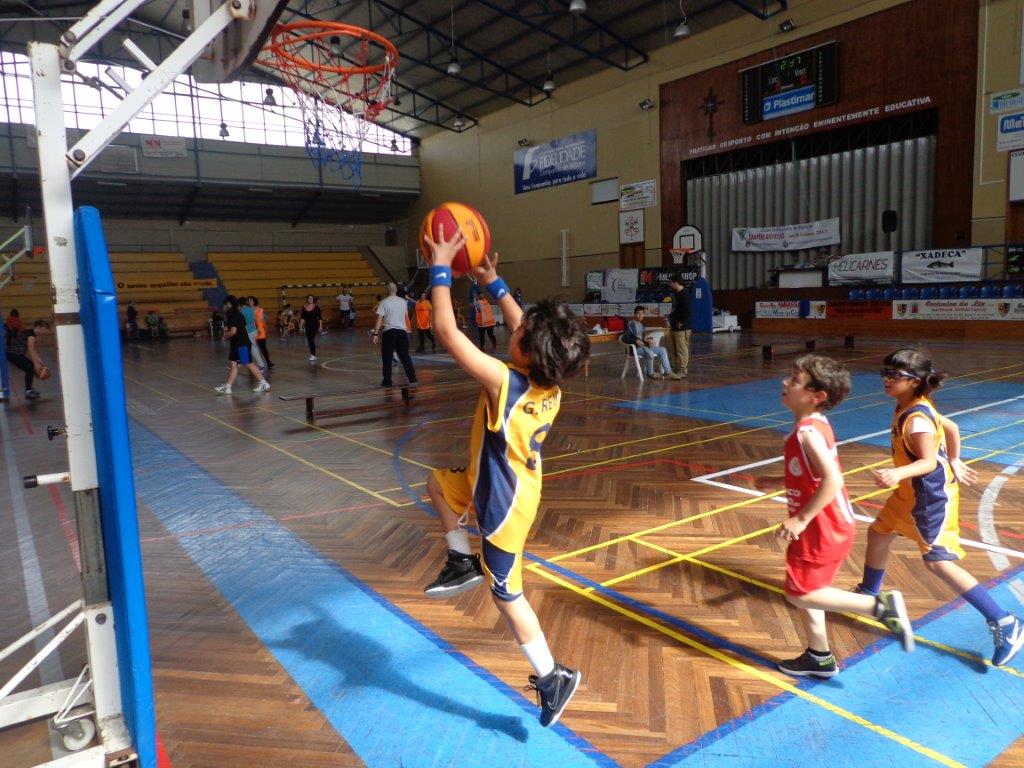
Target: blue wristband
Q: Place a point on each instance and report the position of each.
(440, 276)
(497, 289)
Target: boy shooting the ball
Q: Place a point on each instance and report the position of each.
(502, 483)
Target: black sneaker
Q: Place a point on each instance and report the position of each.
(891, 610)
(31, 394)
(554, 691)
(809, 665)
(460, 573)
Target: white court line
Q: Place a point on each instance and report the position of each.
(763, 462)
(986, 513)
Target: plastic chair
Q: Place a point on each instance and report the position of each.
(890, 293)
(928, 293)
(908, 293)
(945, 292)
(968, 292)
(872, 294)
(856, 294)
(1008, 290)
(989, 291)
(634, 356)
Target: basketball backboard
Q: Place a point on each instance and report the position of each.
(237, 46)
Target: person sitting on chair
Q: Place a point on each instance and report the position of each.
(646, 347)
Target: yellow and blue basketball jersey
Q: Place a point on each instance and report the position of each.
(925, 508)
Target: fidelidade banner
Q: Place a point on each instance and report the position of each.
(791, 237)
(952, 265)
(144, 285)
(876, 267)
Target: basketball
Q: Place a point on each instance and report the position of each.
(43, 373)
(450, 216)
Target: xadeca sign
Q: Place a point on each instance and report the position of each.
(878, 267)
(955, 265)
(1011, 132)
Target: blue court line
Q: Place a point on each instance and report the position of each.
(966, 711)
(389, 685)
(751, 401)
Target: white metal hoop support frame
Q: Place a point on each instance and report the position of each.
(58, 165)
(340, 94)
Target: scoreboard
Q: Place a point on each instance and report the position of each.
(794, 83)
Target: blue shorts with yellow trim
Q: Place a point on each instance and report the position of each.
(503, 565)
(935, 530)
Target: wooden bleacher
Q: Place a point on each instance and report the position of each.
(261, 274)
(184, 309)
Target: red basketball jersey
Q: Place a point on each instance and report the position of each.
(830, 534)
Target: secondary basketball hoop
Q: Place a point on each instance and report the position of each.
(342, 76)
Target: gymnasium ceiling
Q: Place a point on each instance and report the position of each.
(506, 48)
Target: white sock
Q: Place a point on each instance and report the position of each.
(458, 540)
(539, 655)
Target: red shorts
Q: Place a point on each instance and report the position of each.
(804, 576)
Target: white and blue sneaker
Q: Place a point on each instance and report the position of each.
(1008, 636)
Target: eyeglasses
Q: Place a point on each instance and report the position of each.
(896, 373)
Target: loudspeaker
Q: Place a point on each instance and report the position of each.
(890, 221)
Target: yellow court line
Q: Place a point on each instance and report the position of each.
(301, 460)
(755, 672)
(766, 415)
(147, 386)
(360, 443)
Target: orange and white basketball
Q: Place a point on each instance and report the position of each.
(450, 216)
(42, 372)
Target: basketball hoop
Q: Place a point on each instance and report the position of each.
(341, 89)
(679, 254)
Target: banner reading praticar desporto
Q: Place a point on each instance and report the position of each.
(791, 237)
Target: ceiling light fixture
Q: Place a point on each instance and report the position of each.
(186, 21)
(683, 29)
(454, 68)
(224, 130)
(269, 100)
(549, 83)
(646, 105)
(459, 123)
(394, 144)
(578, 7)
(523, 143)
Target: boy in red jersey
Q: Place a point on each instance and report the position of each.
(820, 527)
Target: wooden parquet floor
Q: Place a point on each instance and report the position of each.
(642, 576)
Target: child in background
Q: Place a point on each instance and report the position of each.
(924, 507)
(820, 527)
(485, 321)
(502, 484)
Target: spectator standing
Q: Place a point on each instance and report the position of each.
(678, 336)
(216, 325)
(424, 310)
(132, 322)
(261, 330)
(517, 297)
(152, 324)
(391, 334)
(345, 307)
(485, 321)
(309, 323)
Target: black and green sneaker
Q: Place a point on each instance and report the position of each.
(891, 610)
(808, 664)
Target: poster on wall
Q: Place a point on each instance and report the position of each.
(562, 161)
(959, 309)
(595, 280)
(163, 146)
(791, 237)
(631, 227)
(652, 283)
(642, 194)
(1006, 101)
(619, 286)
(953, 265)
(876, 267)
(1010, 132)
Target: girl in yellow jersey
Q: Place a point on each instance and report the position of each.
(927, 471)
(502, 482)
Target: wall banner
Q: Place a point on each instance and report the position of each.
(1010, 132)
(876, 267)
(1005, 101)
(959, 309)
(955, 265)
(561, 161)
(163, 146)
(642, 194)
(791, 237)
(143, 285)
(619, 286)
(653, 282)
(789, 310)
